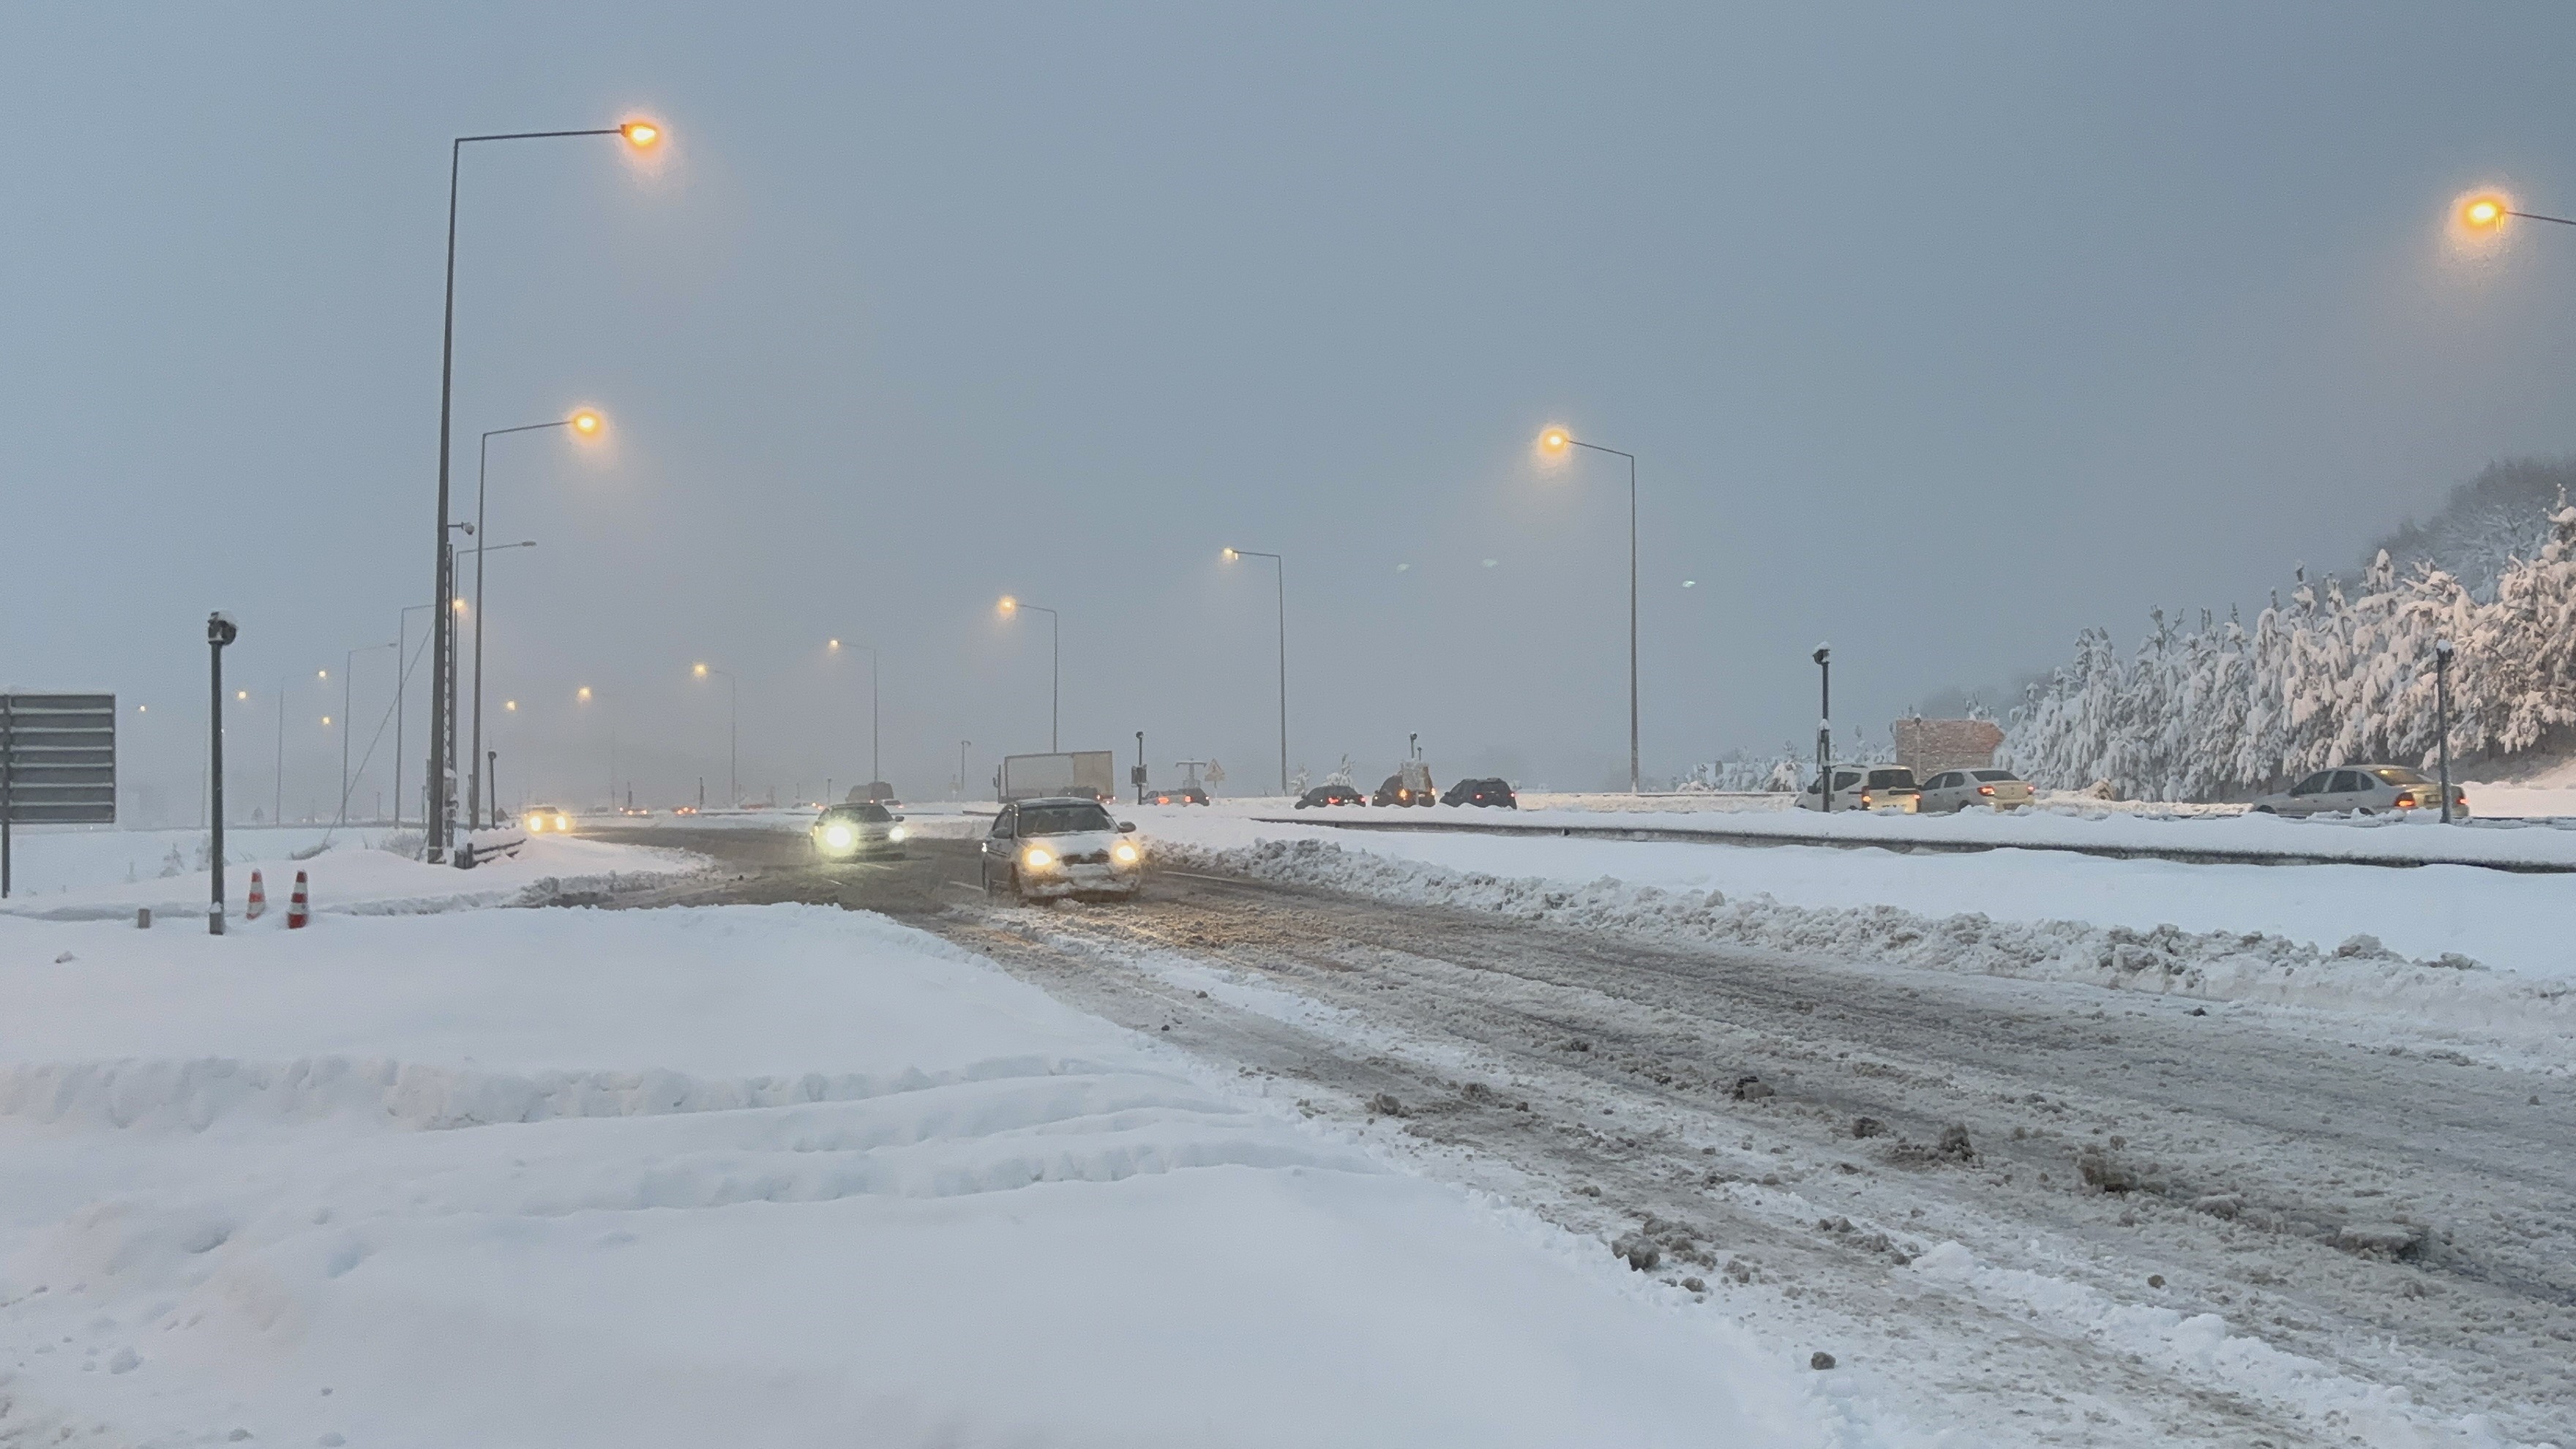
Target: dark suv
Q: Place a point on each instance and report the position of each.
(1488, 791)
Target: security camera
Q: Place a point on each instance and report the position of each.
(221, 630)
(1823, 653)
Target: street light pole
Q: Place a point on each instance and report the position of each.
(1055, 646)
(638, 134)
(348, 665)
(220, 631)
(1279, 567)
(1557, 440)
(583, 424)
(733, 731)
(1824, 657)
(875, 770)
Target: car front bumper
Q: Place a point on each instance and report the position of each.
(1082, 880)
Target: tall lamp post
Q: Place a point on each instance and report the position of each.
(1278, 566)
(2442, 716)
(1055, 646)
(585, 424)
(220, 631)
(1824, 657)
(1554, 442)
(2488, 213)
(733, 730)
(347, 665)
(641, 135)
(875, 773)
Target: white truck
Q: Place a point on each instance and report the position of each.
(1090, 774)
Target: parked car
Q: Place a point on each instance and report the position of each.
(1409, 785)
(1491, 791)
(1956, 790)
(1866, 787)
(848, 832)
(1061, 846)
(1178, 795)
(1323, 795)
(545, 820)
(2362, 790)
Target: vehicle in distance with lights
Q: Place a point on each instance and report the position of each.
(545, 820)
(1866, 787)
(1954, 790)
(1409, 785)
(1323, 795)
(848, 832)
(1491, 791)
(1068, 846)
(1178, 795)
(2363, 790)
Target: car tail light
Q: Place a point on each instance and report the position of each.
(2405, 799)
(1864, 801)
(1985, 789)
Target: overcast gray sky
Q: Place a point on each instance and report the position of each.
(1941, 332)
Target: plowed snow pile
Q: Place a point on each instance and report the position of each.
(772, 1176)
(2357, 974)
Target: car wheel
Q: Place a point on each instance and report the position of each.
(2263, 810)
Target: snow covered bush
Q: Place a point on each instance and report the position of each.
(2326, 679)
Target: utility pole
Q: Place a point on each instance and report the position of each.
(1140, 767)
(961, 769)
(220, 631)
(2442, 716)
(1824, 657)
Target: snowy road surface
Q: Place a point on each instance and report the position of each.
(2168, 1221)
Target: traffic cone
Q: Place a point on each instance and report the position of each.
(258, 899)
(297, 913)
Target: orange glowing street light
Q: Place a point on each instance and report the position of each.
(2488, 213)
(642, 135)
(1557, 443)
(586, 425)
(1055, 645)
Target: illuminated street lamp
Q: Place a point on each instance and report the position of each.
(1556, 443)
(586, 425)
(1280, 567)
(1055, 646)
(733, 729)
(874, 774)
(2488, 213)
(641, 136)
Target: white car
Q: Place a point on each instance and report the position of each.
(1068, 846)
(2363, 790)
(1865, 787)
(1954, 790)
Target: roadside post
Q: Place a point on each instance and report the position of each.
(220, 631)
(1824, 657)
(2442, 716)
(1137, 778)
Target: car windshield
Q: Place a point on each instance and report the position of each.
(1996, 776)
(1063, 819)
(1891, 779)
(2400, 775)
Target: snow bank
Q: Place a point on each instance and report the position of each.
(2216, 965)
(89, 870)
(783, 1175)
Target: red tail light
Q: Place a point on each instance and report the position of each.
(1985, 789)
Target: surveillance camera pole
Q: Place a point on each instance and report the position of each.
(1824, 657)
(220, 631)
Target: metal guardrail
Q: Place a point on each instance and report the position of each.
(1902, 846)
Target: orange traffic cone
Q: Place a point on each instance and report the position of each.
(258, 899)
(297, 913)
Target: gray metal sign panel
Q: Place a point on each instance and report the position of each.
(58, 759)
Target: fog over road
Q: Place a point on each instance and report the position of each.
(2404, 1219)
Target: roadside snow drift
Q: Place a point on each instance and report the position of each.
(775, 1176)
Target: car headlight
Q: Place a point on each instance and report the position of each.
(896, 835)
(839, 837)
(1037, 857)
(1125, 853)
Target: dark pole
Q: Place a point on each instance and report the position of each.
(442, 659)
(961, 769)
(220, 631)
(1055, 679)
(2442, 716)
(493, 779)
(277, 802)
(1140, 767)
(1824, 657)
(876, 770)
(482, 468)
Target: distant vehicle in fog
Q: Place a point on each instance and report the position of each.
(2362, 790)
(545, 820)
(1178, 795)
(1955, 790)
(848, 832)
(1409, 785)
(1492, 791)
(1323, 795)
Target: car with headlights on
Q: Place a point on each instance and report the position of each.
(1178, 795)
(545, 820)
(853, 832)
(1409, 785)
(1951, 791)
(1323, 795)
(1061, 846)
(2362, 790)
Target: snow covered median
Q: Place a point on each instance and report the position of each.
(784, 1175)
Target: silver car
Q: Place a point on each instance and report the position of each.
(1865, 787)
(1955, 790)
(2362, 790)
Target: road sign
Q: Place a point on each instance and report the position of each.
(57, 763)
